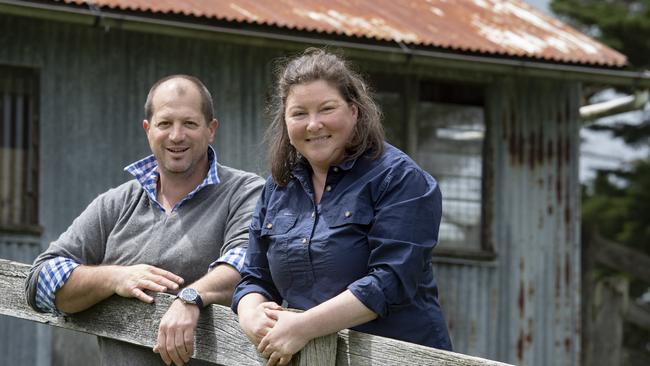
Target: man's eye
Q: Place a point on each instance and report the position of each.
(163, 124)
(298, 114)
(191, 124)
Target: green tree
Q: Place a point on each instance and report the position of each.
(625, 26)
(618, 202)
(621, 24)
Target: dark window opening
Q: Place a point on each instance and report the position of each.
(18, 148)
(442, 126)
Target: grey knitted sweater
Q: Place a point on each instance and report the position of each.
(122, 226)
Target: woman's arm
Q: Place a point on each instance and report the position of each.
(292, 331)
(253, 318)
(405, 230)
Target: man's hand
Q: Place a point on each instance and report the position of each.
(88, 285)
(254, 321)
(176, 333)
(131, 281)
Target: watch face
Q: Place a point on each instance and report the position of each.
(188, 295)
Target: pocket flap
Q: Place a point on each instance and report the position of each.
(356, 213)
(279, 223)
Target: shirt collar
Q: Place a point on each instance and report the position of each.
(303, 168)
(146, 173)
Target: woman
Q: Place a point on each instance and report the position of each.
(345, 225)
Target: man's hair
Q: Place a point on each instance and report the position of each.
(206, 98)
(313, 65)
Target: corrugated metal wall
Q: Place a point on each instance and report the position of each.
(93, 85)
(521, 308)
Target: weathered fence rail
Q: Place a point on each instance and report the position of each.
(219, 339)
(606, 303)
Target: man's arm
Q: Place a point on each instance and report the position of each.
(84, 242)
(88, 285)
(176, 332)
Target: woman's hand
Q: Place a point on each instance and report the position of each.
(288, 336)
(254, 321)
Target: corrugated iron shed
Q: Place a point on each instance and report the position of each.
(509, 28)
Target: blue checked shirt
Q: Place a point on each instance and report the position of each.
(56, 271)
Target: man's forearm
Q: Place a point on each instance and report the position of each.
(216, 286)
(85, 287)
(89, 285)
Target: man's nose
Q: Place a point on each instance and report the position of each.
(177, 133)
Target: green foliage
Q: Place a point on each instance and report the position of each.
(621, 24)
(619, 206)
(620, 211)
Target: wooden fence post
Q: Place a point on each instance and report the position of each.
(320, 351)
(605, 322)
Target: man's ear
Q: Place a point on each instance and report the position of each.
(145, 125)
(213, 126)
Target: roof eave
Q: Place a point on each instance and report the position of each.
(397, 53)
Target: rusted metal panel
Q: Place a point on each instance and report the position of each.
(523, 307)
(495, 27)
(537, 225)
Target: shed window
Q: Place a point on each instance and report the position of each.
(18, 149)
(442, 127)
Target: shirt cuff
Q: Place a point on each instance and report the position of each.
(53, 275)
(235, 257)
(368, 291)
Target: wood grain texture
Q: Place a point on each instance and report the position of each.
(360, 349)
(218, 336)
(622, 258)
(638, 315)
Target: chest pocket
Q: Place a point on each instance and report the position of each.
(278, 224)
(357, 212)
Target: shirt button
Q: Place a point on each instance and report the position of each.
(313, 214)
(304, 240)
(328, 188)
(347, 214)
(269, 225)
(336, 169)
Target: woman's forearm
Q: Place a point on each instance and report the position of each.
(340, 312)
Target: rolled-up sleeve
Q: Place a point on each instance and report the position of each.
(84, 242)
(401, 238)
(256, 276)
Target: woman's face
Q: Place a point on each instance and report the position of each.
(319, 122)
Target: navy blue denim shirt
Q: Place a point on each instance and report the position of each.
(372, 233)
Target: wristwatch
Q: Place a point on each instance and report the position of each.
(189, 295)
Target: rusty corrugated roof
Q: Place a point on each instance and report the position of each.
(496, 27)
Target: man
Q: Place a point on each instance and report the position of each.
(182, 214)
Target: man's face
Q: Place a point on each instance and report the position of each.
(178, 133)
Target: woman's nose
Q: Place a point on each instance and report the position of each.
(314, 123)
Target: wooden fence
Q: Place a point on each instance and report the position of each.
(218, 337)
(606, 305)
